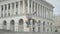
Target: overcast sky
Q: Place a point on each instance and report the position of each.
(56, 4)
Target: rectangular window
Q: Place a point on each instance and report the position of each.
(8, 14)
(21, 3)
(13, 5)
(2, 7)
(33, 6)
(26, 2)
(33, 29)
(30, 3)
(38, 29)
(5, 7)
(16, 4)
(9, 6)
(16, 13)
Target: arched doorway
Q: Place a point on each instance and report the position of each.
(4, 25)
(20, 27)
(12, 23)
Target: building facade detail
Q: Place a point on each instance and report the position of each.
(26, 16)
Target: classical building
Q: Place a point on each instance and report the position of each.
(26, 16)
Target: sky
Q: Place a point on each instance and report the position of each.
(56, 4)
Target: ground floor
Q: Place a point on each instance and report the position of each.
(25, 24)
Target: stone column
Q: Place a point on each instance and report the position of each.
(49, 28)
(0, 10)
(28, 6)
(15, 8)
(24, 6)
(19, 8)
(34, 8)
(7, 10)
(41, 26)
(31, 26)
(45, 12)
(40, 10)
(10, 9)
(31, 7)
(3, 10)
(25, 26)
(16, 26)
(8, 25)
(36, 27)
(37, 9)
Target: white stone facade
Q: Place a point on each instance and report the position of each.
(26, 16)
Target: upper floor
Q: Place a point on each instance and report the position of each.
(17, 7)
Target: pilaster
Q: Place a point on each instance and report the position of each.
(15, 8)
(16, 26)
(19, 10)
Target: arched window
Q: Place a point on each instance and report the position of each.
(44, 23)
(39, 23)
(20, 26)
(34, 22)
(12, 22)
(48, 23)
(21, 21)
(44, 26)
(4, 24)
(51, 27)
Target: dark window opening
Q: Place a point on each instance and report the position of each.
(5, 7)
(16, 4)
(12, 5)
(2, 7)
(9, 6)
